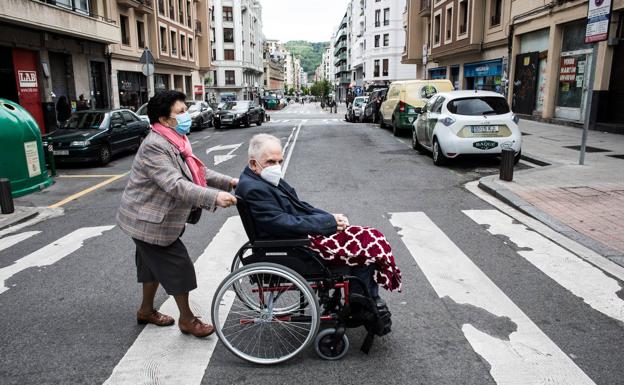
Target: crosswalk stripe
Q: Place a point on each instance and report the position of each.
(526, 355)
(11, 240)
(163, 355)
(596, 288)
(51, 253)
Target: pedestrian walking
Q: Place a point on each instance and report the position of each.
(168, 187)
(63, 110)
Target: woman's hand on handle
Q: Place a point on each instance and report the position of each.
(225, 199)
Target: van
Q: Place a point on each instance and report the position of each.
(405, 100)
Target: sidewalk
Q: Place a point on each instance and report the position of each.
(586, 203)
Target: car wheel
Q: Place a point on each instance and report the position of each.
(381, 122)
(259, 122)
(439, 159)
(217, 125)
(395, 129)
(105, 155)
(246, 122)
(415, 143)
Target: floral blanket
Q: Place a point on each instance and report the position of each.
(361, 246)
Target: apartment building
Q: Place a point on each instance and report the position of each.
(237, 55)
(342, 73)
(55, 48)
(273, 79)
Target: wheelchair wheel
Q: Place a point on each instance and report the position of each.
(258, 333)
(328, 347)
(251, 299)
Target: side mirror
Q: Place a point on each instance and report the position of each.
(418, 110)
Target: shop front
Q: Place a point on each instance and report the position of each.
(161, 82)
(437, 73)
(530, 68)
(484, 75)
(455, 77)
(132, 89)
(575, 61)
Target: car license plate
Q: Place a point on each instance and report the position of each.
(485, 144)
(60, 152)
(483, 129)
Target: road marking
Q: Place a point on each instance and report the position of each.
(51, 253)
(44, 214)
(195, 141)
(576, 248)
(292, 148)
(11, 240)
(222, 158)
(88, 190)
(595, 288)
(527, 355)
(87, 176)
(163, 355)
(206, 137)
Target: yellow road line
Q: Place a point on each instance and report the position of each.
(88, 190)
(88, 175)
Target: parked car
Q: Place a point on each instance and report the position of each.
(371, 111)
(466, 122)
(356, 109)
(200, 113)
(405, 99)
(96, 135)
(239, 113)
(142, 113)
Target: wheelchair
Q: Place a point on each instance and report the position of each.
(281, 297)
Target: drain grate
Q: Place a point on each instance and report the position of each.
(617, 156)
(587, 148)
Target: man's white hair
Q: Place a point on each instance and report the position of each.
(259, 142)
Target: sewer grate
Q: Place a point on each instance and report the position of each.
(583, 191)
(587, 148)
(617, 156)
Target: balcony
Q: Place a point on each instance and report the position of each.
(68, 20)
(198, 27)
(425, 7)
(140, 6)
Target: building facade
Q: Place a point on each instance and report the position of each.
(50, 49)
(342, 73)
(237, 57)
(273, 79)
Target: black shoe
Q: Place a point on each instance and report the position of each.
(381, 304)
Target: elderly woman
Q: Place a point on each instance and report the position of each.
(278, 213)
(168, 187)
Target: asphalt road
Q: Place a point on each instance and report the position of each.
(484, 300)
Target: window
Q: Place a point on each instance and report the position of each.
(386, 40)
(214, 78)
(378, 18)
(163, 39)
(190, 42)
(180, 11)
(229, 77)
(161, 7)
(140, 34)
(171, 10)
(174, 43)
(495, 12)
(385, 67)
(485, 105)
(449, 23)
(125, 30)
(183, 45)
(436, 29)
(437, 105)
(188, 13)
(376, 69)
(228, 35)
(128, 117)
(463, 16)
(228, 54)
(376, 41)
(214, 54)
(228, 15)
(386, 16)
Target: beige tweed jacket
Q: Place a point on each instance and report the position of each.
(160, 193)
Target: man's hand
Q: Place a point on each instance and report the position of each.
(342, 222)
(233, 183)
(225, 199)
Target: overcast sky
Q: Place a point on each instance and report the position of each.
(311, 20)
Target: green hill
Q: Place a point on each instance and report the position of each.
(310, 54)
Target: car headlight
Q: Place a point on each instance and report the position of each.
(238, 115)
(80, 143)
(447, 121)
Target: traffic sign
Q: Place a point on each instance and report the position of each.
(148, 69)
(147, 57)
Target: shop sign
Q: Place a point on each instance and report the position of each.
(491, 68)
(567, 73)
(27, 79)
(598, 20)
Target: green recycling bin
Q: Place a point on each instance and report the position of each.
(21, 154)
(272, 104)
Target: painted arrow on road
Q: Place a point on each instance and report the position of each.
(222, 158)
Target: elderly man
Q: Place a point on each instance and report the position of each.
(278, 213)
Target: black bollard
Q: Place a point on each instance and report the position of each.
(6, 200)
(507, 164)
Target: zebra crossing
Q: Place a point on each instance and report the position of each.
(297, 120)
(521, 353)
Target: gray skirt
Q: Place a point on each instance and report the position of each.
(171, 266)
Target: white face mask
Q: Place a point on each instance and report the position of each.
(272, 174)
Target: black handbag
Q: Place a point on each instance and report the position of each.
(194, 215)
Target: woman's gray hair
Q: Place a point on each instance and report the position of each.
(258, 143)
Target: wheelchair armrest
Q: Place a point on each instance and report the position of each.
(281, 243)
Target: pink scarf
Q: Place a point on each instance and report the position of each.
(183, 145)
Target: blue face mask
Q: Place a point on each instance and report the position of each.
(184, 123)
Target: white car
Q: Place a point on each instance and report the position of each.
(466, 122)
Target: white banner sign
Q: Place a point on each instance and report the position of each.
(598, 18)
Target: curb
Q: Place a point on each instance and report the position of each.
(507, 196)
(19, 219)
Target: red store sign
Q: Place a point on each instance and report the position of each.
(567, 73)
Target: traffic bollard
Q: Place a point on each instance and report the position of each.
(49, 151)
(6, 200)
(507, 164)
